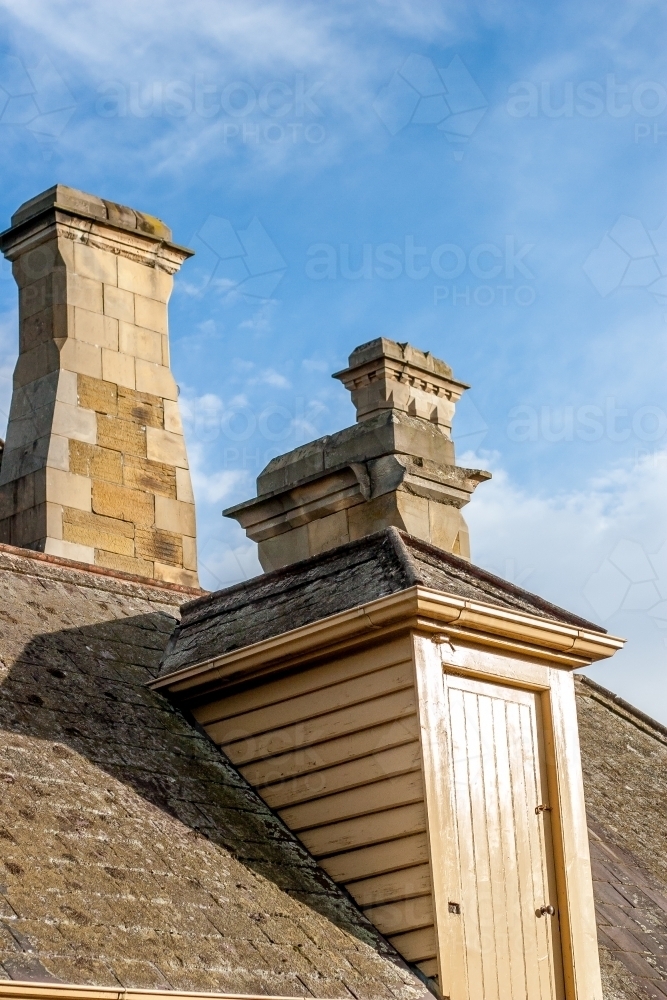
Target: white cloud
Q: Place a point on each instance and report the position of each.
(561, 547)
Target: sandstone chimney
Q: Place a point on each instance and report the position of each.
(94, 466)
(394, 467)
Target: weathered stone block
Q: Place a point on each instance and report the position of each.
(150, 314)
(119, 304)
(90, 262)
(154, 477)
(281, 550)
(84, 292)
(173, 515)
(163, 546)
(96, 394)
(123, 503)
(189, 553)
(34, 364)
(58, 453)
(173, 574)
(126, 564)
(107, 533)
(167, 447)
(142, 343)
(156, 379)
(184, 486)
(68, 489)
(121, 435)
(74, 422)
(142, 407)
(118, 368)
(86, 359)
(69, 550)
(95, 462)
(94, 328)
(151, 282)
(328, 532)
(172, 417)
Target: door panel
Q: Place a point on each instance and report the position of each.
(504, 844)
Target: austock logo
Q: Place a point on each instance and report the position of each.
(421, 94)
(244, 261)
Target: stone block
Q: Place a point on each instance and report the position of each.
(151, 282)
(189, 553)
(118, 303)
(21, 494)
(94, 328)
(118, 368)
(155, 379)
(91, 262)
(28, 527)
(142, 407)
(414, 512)
(123, 503)
(161, 546)
(281, 550)
(34, 364)
(172, 417)
(86, 359)
(166, 358)
(95, 462)
(176, 516)
(52, 323)
(141, 343)
(328, 532)
(84, 292)
(121, 435)
(69, 550)
(184, 490)
(126, 564)
(150, 313)
(67, 390)
(98, 532)
(20, 462)
(153, 477)
(98, 395)
(164, 446)
(58, 454)
(74, 422)
(172, 574)
(54, 520)
(68, 489)
(43, 293)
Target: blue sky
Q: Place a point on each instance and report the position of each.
(485, 180)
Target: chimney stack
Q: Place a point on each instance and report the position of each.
(94, 467)
(394, 467)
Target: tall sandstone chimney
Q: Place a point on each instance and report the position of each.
(94, 465)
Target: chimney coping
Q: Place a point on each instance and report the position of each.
(382, 347)
(88, 206)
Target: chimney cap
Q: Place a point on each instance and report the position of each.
(89, 206)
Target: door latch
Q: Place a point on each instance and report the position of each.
(546, 911)
(542, 809)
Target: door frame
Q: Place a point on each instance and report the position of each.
(433, 656)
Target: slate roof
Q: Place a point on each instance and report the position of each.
(131, 852)
(375, 566)
(624, 756)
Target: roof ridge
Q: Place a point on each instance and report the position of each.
(404, 556)
(623, 708)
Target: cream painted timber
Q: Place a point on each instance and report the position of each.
(351, 743)
(17, 990)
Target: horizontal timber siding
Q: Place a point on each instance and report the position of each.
(335, 751)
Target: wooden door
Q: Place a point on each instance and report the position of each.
(505, 854)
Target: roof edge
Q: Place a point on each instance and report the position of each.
(114, 574)
(623, 708)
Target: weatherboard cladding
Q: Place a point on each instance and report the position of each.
(343, 578)
(134, 854)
